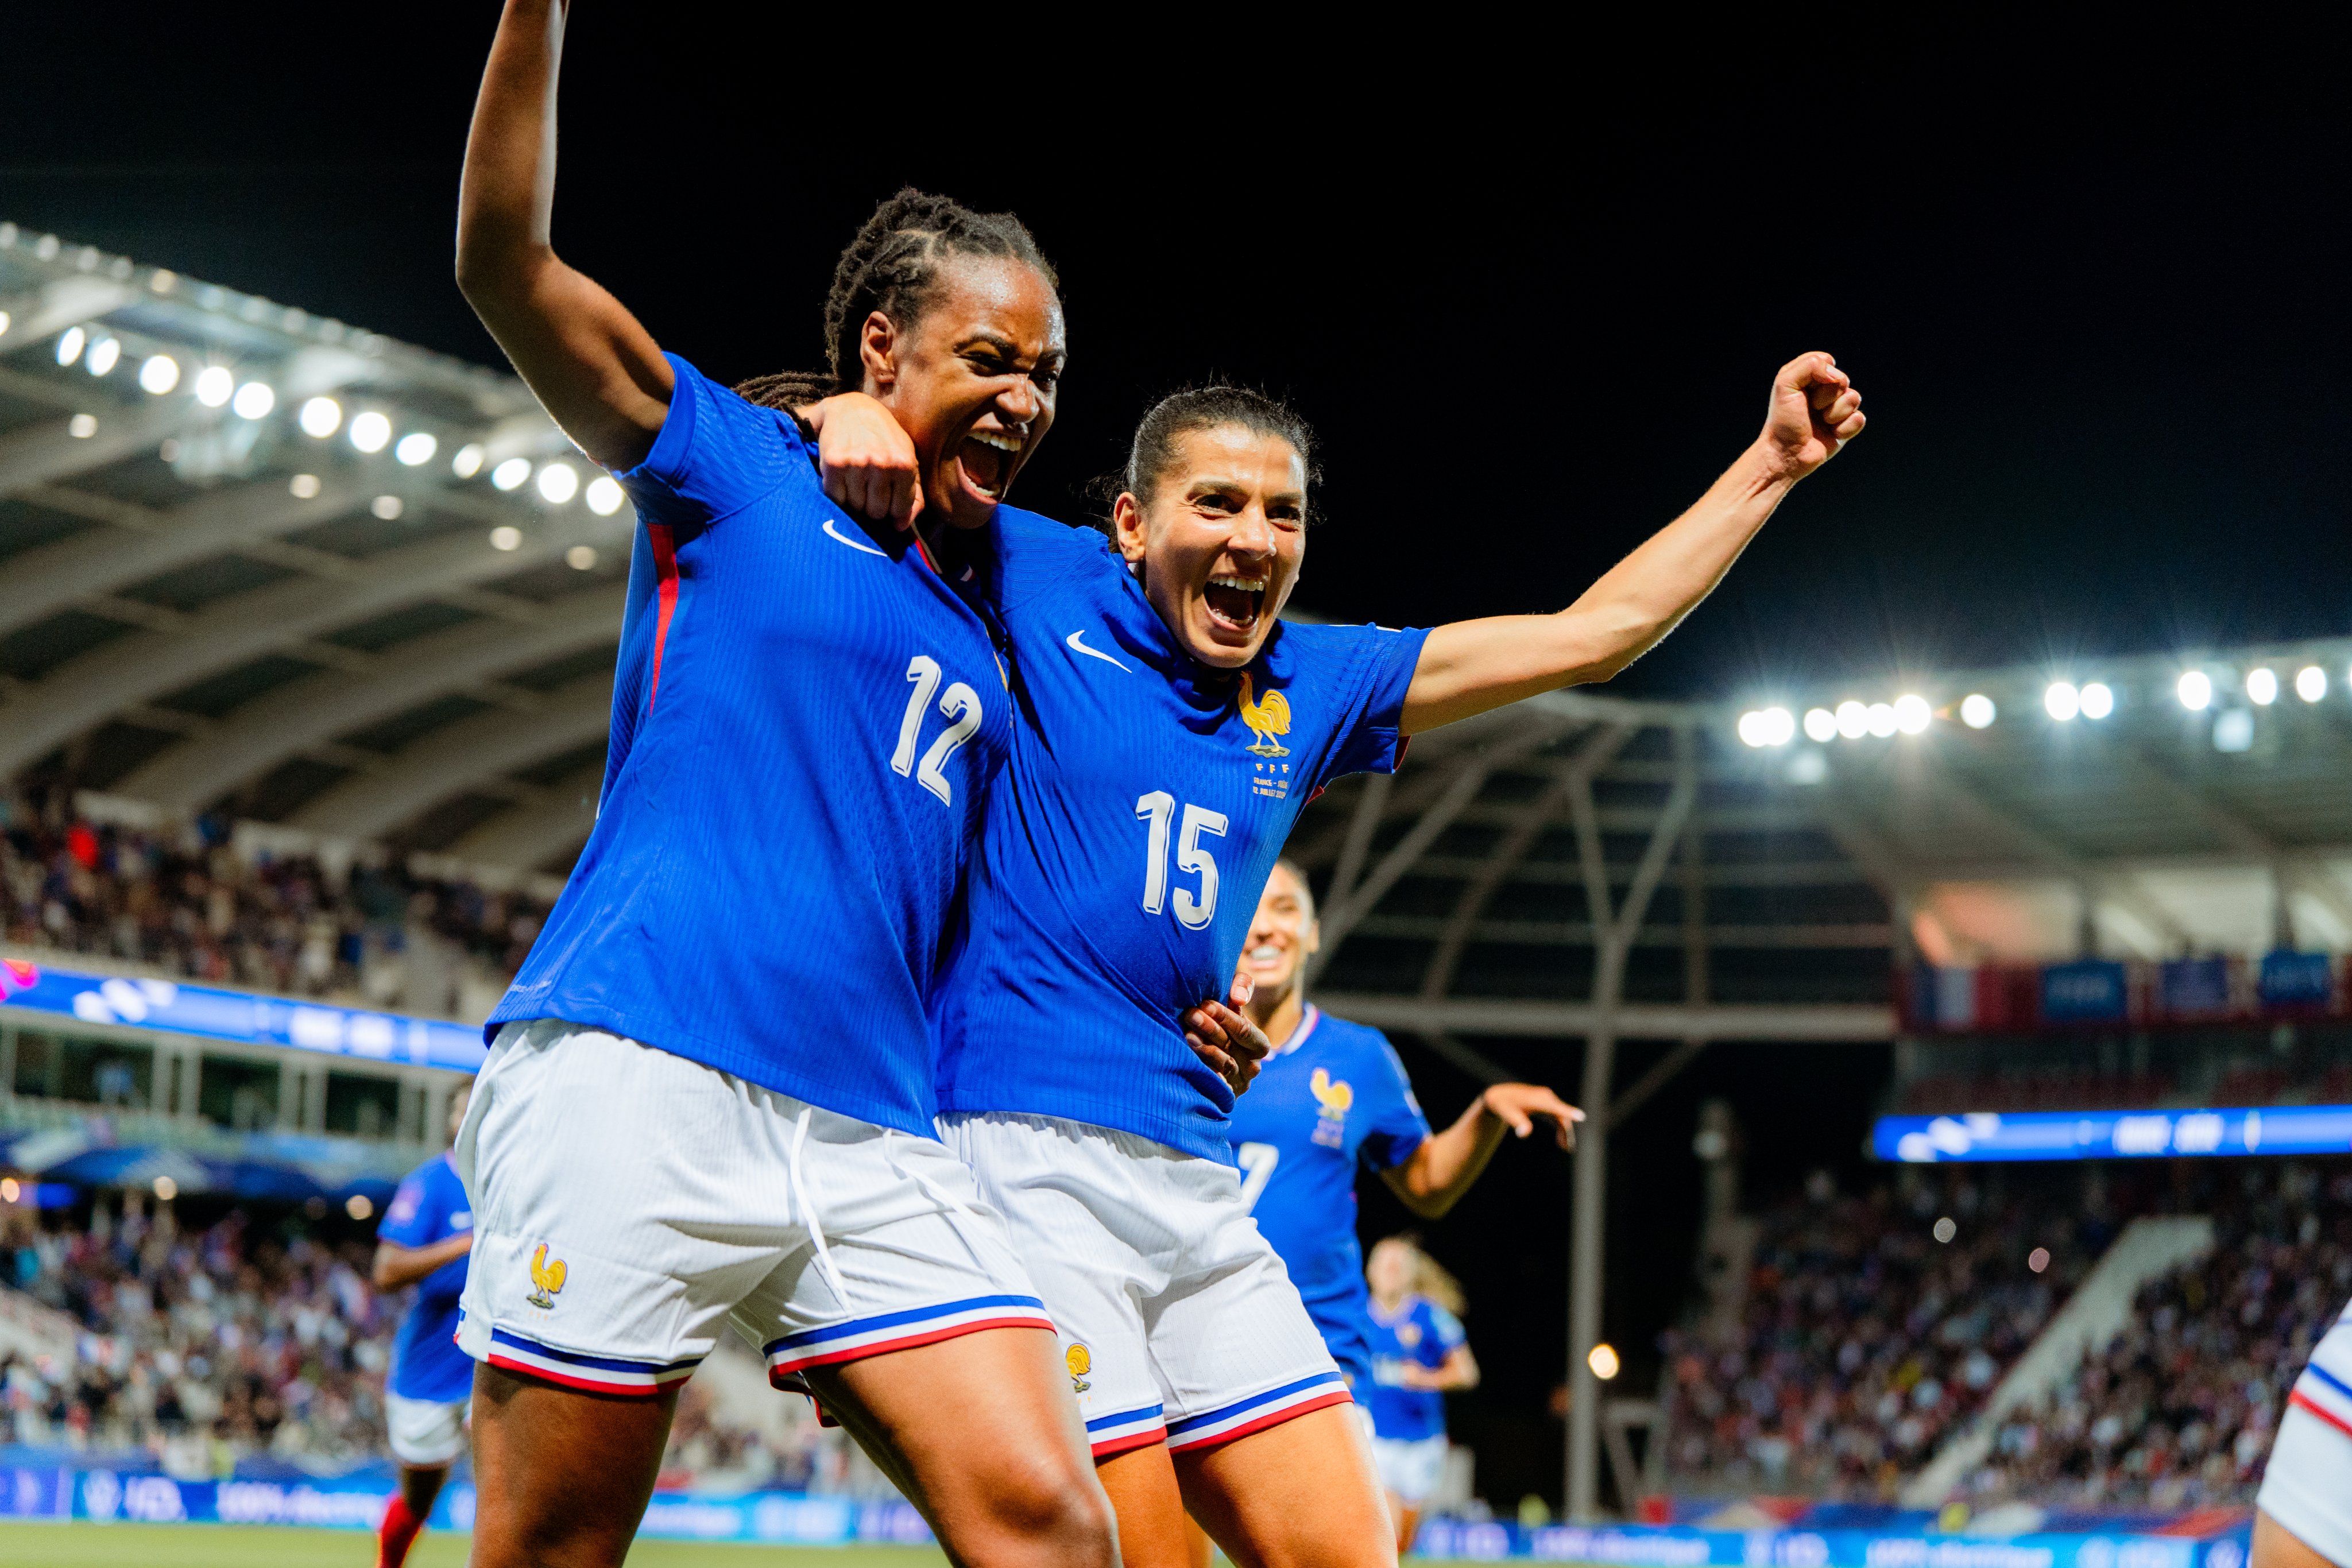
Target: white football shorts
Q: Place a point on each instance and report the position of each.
(2308, 1486)
(425, 1434)
(1409, 1467)
(1177, 1321)
(628, 1202)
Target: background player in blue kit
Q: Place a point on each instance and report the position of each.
(1419, 1355)
(1331, 1098)
(1168, 735)
(422, 1240)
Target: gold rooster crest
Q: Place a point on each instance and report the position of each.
(1335, 1098)
(1080, 1362)
(548, 1277)
(1268, 716)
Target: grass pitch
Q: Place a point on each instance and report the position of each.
(232, 1546)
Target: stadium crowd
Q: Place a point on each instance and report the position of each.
(203, 1348)
(2179, 1411)
(1870, 1326)
(191, 905)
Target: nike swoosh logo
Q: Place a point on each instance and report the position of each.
(853, 544)
(1077, 646)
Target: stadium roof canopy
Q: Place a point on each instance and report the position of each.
(258, 560)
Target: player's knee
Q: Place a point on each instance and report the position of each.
(1052, 1514)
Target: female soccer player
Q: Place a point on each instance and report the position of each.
(710, 1092)
(1419, 1355)
(426, 1233)
(1169, 734)
(2302, 1516)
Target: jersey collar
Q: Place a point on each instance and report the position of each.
(1307, 1022)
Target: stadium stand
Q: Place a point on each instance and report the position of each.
(1867, 1337)
(204, 903)
(2179, 1409)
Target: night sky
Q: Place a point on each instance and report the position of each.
(1531, 295)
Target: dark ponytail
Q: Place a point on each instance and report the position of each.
(1153, 452)
(893, 267)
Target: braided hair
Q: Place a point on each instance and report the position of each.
(893, 267)
(1152, 454)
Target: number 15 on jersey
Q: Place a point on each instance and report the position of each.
(1158, 808)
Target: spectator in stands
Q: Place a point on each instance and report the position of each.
(194, 907)
(1871, 1327)
(2179, 1411)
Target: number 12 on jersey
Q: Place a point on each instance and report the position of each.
(961, 704)
(1158, 808)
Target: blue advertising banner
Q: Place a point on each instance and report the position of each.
(2295, 980)
(2194, 988)
(207, 1012)
(2113, 1135)
(2094, 991)
(1681, 1546)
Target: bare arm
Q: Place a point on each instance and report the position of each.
(1472, 665)
(1433, 1177)
(598, 373)
(1458, 1372)
(396, 1266)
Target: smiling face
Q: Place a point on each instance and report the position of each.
(1221, 539)
(973, 381)
(1282, 933)
(1389, 1271)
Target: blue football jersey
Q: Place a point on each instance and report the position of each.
(430, 1206)
(1144, 803)
(1335, 1096)
(806, 722)
(1423, 1334)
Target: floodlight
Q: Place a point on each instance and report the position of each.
(510, 474)
(1977, 711)
(469, 461)
(506, 536)
(2261, 686)
(160, 373)
(2196, 691)
(69, 345)
(1852, 719)
(320, 417)
(1821, 724)
(386, 507)
(253, 401)
(2311, 683)
(103, 355)
(371, 430)
(2233, 730)
(82, 426)
(214, 385)
(304, 487)
(1880, 716)
(415, 449)
(580, 557)
(2098, 700)
(4, 323)
(1751, 727)
(1603, 1361)
(558, 483)
(1912, 714)
(604, 496)
(2062, 701)
(1808, 766)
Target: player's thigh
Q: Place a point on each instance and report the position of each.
(2277, 1546)
(1298, 1495)
(980, 1433)
(560, 1475)
(1153, 1531)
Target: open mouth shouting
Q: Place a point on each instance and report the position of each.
(1234, 604)
(988, 460)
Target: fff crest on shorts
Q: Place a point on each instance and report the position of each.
(548, 1279)
(1268, 718)
(1080, 1361)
